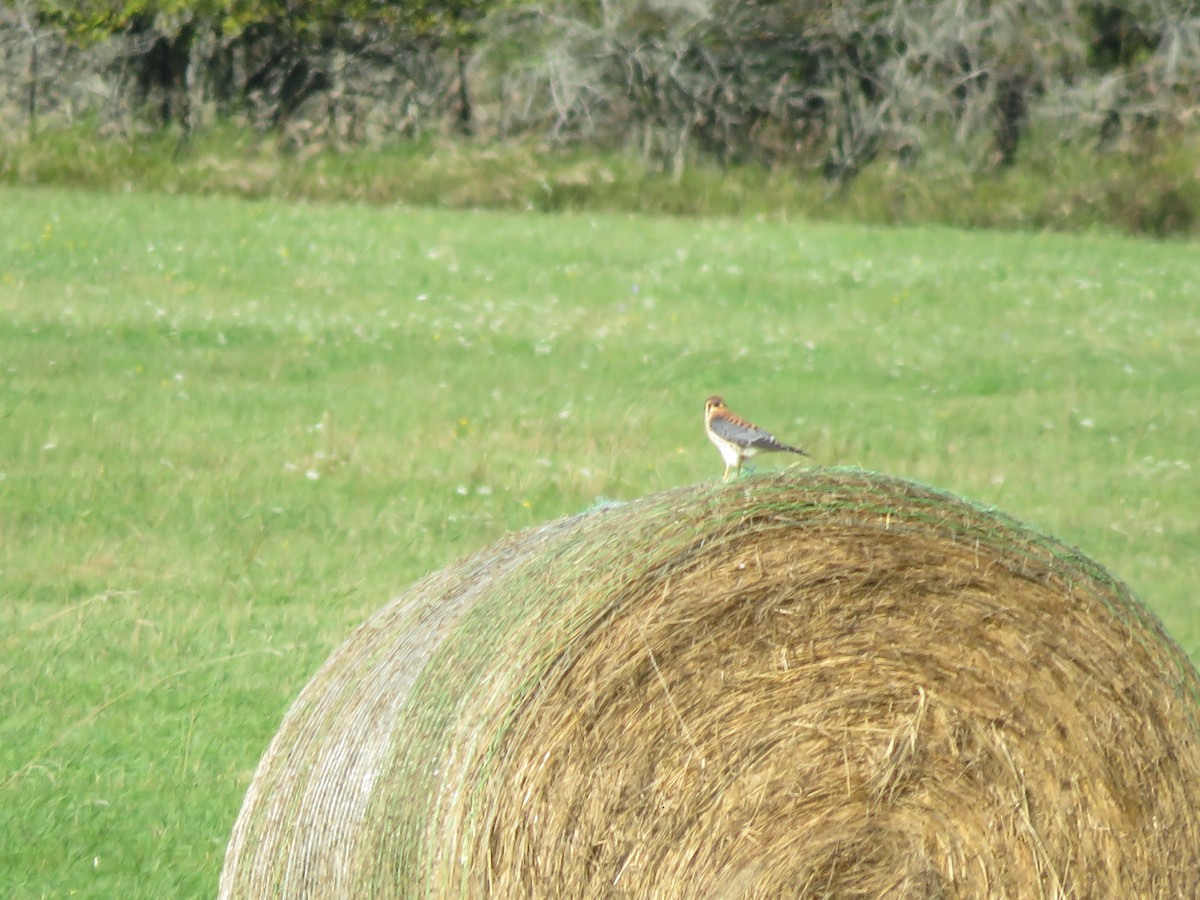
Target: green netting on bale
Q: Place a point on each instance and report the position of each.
(824, 682)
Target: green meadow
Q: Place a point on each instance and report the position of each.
(232, 429)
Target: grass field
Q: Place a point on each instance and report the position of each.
(233, 429)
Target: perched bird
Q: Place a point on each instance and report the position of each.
(736, 438)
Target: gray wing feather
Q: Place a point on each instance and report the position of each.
(740, 434)
(749, 436)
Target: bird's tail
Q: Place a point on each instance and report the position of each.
(773, 444)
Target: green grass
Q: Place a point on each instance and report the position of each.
(1152, 190)
(232, 429)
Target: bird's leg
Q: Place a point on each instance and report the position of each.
(725, 477)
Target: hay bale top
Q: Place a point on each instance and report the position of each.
(822, 682)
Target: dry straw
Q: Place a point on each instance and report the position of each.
(822, 683)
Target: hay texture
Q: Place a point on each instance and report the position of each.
(821, 683)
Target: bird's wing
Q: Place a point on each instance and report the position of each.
(742, 433)
(738, 431)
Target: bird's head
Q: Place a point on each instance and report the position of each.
(712, 404)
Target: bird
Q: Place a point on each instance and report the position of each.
(736, 438)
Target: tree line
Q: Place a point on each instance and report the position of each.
(822, 84)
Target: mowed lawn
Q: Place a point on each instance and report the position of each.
(231, 430)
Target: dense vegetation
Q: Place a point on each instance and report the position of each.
(1052, 187)
(812, 86)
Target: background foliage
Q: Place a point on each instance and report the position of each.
(814, 85)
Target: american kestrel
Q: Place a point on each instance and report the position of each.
(736, 438)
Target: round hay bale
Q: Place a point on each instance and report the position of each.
(821, 683)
